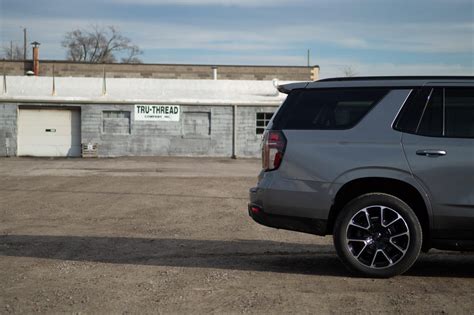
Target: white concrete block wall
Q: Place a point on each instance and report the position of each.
(248, 141)
(8, 129)
(203, 98)
(150, 138)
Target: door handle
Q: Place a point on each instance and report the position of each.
(431, 153)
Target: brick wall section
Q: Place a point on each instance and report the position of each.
(163, 71)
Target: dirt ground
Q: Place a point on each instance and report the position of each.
(172, 235)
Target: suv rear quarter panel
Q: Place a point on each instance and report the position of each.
(318, 162)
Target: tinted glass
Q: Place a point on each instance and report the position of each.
(410, 115)
(327, 109)
(459, 112)
(431, 123)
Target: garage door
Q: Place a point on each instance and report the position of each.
(49, 132)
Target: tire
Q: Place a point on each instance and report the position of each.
(377, 235)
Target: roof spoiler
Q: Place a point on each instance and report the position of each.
(287, 88)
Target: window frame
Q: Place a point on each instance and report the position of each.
(265, 121)
(183, 119)
(128, 115)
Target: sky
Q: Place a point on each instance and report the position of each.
(371, 37)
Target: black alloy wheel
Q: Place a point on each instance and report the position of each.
(377, 235)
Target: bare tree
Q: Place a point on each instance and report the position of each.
(132, 54)
(349, 71)
(100, 45)
(11, 52)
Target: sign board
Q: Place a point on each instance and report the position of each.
(157, 112)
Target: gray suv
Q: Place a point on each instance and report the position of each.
(384, 164)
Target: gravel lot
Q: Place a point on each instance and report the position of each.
(172, 235)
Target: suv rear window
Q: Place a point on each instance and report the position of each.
(329, 109)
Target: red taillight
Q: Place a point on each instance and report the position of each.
(273, 148)
(255, 209)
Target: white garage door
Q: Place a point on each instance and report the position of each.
(49, 132)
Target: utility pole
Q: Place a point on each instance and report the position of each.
(11, 50)
(24, 43)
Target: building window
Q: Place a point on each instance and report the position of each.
(262, 121)
(116, 122)
(196, 124)
(116, 114)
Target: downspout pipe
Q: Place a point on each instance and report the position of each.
(234, 131)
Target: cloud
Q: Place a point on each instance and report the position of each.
(235, 3)
(408, 37)
(417, 38)
(48, 31)
(262, 3)
(272, 44)
(334, 68)
(237, 59)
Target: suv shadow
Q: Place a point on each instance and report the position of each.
(246, 255)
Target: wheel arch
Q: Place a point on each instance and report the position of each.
(407, 192)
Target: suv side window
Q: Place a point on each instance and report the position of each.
(438, 112)
(329, 109)
(459, 112)
(410, 114)
(431, 123)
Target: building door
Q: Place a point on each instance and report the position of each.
(49, 132)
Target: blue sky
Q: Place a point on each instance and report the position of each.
(373, 37)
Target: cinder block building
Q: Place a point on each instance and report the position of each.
(62, 68)
(79, 116)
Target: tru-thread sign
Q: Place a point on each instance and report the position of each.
(157, 112)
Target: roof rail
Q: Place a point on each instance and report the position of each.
(377, 78)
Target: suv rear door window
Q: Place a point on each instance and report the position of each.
(327, 109)
(459, 113)
(438, 112)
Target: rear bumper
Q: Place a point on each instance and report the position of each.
(305, 225)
